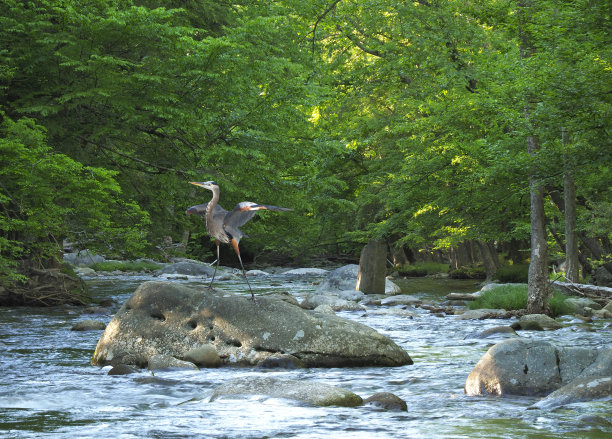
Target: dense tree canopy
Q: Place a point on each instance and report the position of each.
(378, 118)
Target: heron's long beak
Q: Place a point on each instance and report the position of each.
(198, 183)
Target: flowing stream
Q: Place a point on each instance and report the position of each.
(49, 389)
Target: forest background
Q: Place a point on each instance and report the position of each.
(476, 130)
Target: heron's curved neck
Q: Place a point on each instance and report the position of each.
(213, 202)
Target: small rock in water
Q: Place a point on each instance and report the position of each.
(386, 401)
(204, 356)
(281, 361)
(157, 362)
(89, 325)
(122, 369)
(503, 330)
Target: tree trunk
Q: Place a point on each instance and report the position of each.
(489, 258)
(571, 239)
(372, 267)
(538, 287)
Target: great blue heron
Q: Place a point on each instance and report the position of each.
(223, 225)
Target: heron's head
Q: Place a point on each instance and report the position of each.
(210, 185)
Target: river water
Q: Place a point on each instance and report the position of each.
(49, 389)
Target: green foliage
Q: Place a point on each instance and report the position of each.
(558, 306)
(370, 119)
(125, 266)
(508, 297)
(47, 197)
(513, 273)
(421, 269)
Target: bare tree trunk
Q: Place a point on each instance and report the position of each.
(538, 287)
(372, 267)
(489, 258)
(571, 239)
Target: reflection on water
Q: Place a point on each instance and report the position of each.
(49, 387)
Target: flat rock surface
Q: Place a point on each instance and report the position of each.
(171, 319)
(307, 392)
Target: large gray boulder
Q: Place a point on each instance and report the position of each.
(307, 392)
(172, 319)
(531, 367)
(345, 278)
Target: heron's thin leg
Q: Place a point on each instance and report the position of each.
(216, 266)
(237, 250)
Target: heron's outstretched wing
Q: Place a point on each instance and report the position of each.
(219, 213)
(244, 211)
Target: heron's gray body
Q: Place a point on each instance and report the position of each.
(224, 225)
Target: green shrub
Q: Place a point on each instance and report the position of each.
(558, 306)
(505, 296)
(513, 297)
(468, 273)
(125, 266)
(513, 273)
(422, 269)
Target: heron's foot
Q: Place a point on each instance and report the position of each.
(253, 298)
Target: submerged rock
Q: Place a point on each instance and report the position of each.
(188, 268)
(386, 401)
(89, 325)
(172, 319)
(157, 362)
(493, 332)
(307, 392)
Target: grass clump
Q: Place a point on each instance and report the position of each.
(125, 266)
(508, 297)
(514, 297)
(513, 273)
(558, 306)
(422, 269)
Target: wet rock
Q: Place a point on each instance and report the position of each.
(581, 389)
(345, 278)
(204, 356)
(171, 319)
(535, 321)
(493, 332)
(325, 309)
(306, 392)
(306, 272)
(84, 271)
(480, 314)
(157, 362)
(578, 305)
(122, 369)
(82, 258)
(285, 296)
(88, 325)
(397, 312)
(463, 296)
(281, 361)
(532, 367)
(386, 401)
(312, 301)
(400, 299)
(256, 273)
(188, 268)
